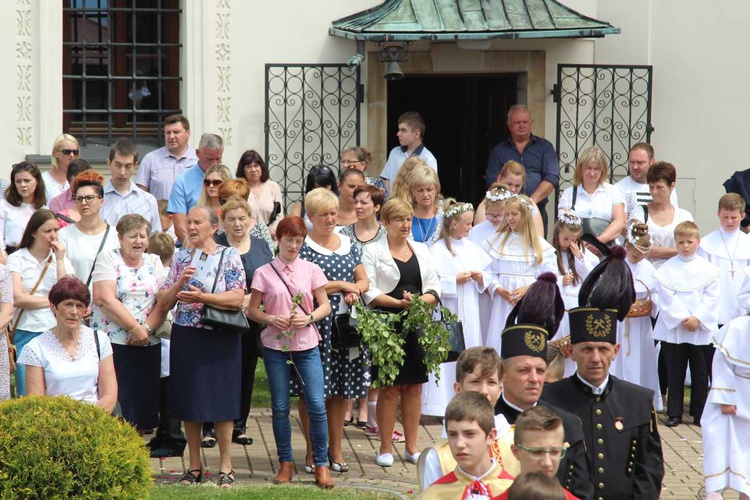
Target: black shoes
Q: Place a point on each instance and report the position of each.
(673, 421)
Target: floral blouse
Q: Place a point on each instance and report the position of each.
(231, 277)
(136, 288)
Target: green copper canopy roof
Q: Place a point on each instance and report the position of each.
(411, 20)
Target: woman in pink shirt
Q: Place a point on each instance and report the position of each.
(288, 287)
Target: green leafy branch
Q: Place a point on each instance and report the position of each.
(386, 346)
(289, 334)
(433, 336)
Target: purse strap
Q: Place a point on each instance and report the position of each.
(33, 290)
(218, 270)
(101, 245)
(575, 195)
(286, 285)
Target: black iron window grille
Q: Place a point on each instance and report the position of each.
(121, 63)
(312, 114)
(604, 106)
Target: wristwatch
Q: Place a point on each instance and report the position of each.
(310, 317)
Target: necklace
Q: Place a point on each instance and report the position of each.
(731, 258)
(426, 232)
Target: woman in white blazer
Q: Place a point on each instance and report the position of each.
(398, 271)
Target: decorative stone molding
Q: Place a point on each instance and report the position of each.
(24, 82)
(223, 52)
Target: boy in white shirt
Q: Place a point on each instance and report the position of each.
(411, 129)
(688, 291)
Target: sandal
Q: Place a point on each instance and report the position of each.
(242, 439)
(361, 424)
(226, 479)
(190, 477)
(208, 442)
(337, 466)
(310, 469)
(348, 422)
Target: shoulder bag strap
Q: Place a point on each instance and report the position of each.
(286, 285)
(218, 270)
(645, 213)
(33, 290)
(575, 195)
(98, 348)
(101, 245)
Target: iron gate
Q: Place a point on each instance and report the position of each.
(312, 113)
(604, 106)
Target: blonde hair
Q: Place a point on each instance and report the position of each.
(395, 207)
(400, 185)
(445, 230)
(496, 188)
(424, 176)
(512, 168)
(529, 234)
(56, 146)
(321, 199)
(687, 228)
(591, 154)
(234, 202)
(234, 187)
(560, 226)
(732, 202)
(225, 175)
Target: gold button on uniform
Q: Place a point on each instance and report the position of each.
(600, 441)
(600, 470)
(601, 486)
(600, 456)
(599, 427)
(630, 470)
(598, 412)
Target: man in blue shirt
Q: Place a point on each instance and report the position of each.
(537, 155)
(188, 185)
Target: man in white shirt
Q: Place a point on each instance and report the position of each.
(121, 195)
(634, 187)
(410, 134)
(159, 168)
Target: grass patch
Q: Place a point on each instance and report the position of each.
(261, 393)
(249, 492)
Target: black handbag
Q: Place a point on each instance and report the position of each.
(223, 319)
(591, 225)
(455, 335)
(344, 334)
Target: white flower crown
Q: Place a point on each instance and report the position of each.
(458, 209)
(569, 218)
(498, 194)
(523, 200)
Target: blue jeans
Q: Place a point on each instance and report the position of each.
(20, 339)
(311, 370)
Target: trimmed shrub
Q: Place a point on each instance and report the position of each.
(56, 447)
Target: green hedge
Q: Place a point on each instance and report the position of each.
(55, 447)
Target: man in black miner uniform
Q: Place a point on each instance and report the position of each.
(619, 421)
(524, 352)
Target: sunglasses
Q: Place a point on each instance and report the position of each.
(321, 169)
(214, 183)
(68, 152)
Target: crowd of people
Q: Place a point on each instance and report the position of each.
(127, 294)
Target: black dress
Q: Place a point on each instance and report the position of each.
(413, 371)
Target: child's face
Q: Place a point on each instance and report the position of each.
(687, 245)
(461, 225)
(489, 387)
(533, 456)
(513, 218)
(469, 443)
(494, 213)
(565, 238)
(730, 219)
(166, 221)
(635, 255)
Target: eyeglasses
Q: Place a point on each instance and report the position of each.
(68, 152)
(322, 169)
(540, 453)
(497, 217)
(87, 199)
(214, 182)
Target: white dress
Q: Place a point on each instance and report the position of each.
(726, 461)
(570, 296)
(512, 268)
(463, 300)
(479, 234)
(637, 360)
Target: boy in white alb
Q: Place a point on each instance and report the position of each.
(728, 248)
(726, 419)
(688, 290)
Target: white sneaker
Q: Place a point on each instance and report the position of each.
(384, 460)
(413, 458)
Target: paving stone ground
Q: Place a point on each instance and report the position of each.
(257, 463)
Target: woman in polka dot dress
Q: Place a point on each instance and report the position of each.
(344, 371)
